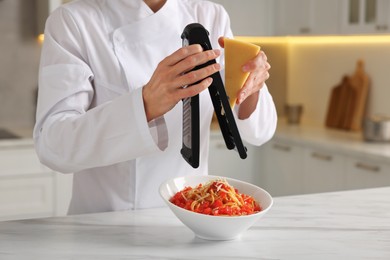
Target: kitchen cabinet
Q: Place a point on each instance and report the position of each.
(281, 168)
(306, 17)
(323, 170)
(27, 188)
(306, 159)
(317, 17)
(26, 197)
(365, 16)
(224, 162)
(250, 17)
(367, 173)
(294, 17)
(289, 168)
(63, 192)
(282, 17)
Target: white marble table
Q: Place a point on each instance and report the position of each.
(340, 225)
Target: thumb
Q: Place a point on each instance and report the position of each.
(221, 41)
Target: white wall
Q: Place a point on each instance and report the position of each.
(19, 60)
(314, 69)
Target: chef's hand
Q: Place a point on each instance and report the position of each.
(165, 88)
(249, 93)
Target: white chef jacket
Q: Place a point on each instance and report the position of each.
(96, 57)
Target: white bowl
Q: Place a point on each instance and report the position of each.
(215, 227)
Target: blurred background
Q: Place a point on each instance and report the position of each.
(333, 134)
(19, 61)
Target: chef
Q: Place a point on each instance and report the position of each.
(110, 90)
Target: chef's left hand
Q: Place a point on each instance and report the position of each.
(248, 95)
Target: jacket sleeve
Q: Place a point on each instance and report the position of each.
(69, 135)
(261, 125)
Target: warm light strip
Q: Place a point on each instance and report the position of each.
(41, 37)
(259, 40)
(353, 39)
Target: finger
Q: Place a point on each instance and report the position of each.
(245, 91)
(258, 62)
(194, 89)
(221, 41)
(182, 53)
(197, 75)
(195, 60)
(255, 80)
(253, 84)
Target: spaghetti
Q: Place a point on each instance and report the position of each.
(216, 198)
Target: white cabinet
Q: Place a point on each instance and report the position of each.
(224, 162)
(290, 167)
(323, 170)
(367, 173)
(27, 188)
(26, 197)
(318, 17)
(365, 16)
(281, 168)
(63, 184)
(250, 17)
(306, 17)
(293, 17)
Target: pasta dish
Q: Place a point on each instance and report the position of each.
(216, 198)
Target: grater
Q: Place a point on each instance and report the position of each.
(195, 33)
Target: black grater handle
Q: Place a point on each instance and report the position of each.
(195, 33)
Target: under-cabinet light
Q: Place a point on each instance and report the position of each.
(334, 39)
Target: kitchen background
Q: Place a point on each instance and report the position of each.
(303, 70)
(19, 61)
(310, 44)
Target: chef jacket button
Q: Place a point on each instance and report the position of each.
(118, 39)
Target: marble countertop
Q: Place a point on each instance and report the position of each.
(340, 141)
(350, 143)
(338, 225)
(15, 143)
(24, 138)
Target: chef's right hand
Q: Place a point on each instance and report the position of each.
(165, 88)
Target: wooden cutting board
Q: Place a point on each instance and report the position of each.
(341, 105)
(347, 101)
(333, 115)
(360, 82)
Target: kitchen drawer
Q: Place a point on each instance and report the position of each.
(22, 198)
(323, 171)
(282, 164)
(227, 163)
(363, 173)
(20, 161)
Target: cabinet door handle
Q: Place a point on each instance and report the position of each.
(367, 167)
(381, 27)
(323, 157)
(304, 30)
(281, 147)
